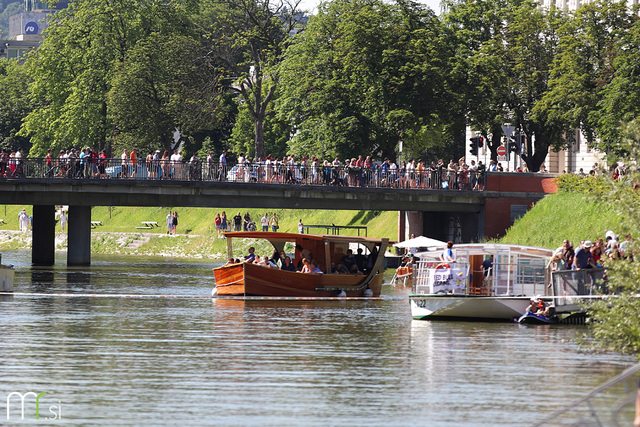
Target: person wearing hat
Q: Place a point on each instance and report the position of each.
(583, 257)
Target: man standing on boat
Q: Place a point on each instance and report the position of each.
(487, 269)
(447, 254)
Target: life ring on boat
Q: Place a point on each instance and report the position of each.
(442, 265)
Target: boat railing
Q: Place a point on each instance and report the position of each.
(518, 279)
(569, 284)
(506, 279)
(610, 404)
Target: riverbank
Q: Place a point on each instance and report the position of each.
(150, 244)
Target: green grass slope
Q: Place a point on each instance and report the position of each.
(573, 216)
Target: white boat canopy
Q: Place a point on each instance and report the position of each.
(420, 242)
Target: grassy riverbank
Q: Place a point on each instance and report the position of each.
(196, 237)
(574, 216)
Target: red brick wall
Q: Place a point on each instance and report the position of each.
(521, 182)
(498, 214)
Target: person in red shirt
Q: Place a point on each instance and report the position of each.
(134, 162)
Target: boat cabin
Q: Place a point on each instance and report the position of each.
(517, 270)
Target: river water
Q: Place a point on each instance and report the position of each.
(116, 352)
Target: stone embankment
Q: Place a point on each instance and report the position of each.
(149, 244)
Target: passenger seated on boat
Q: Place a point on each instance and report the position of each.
(252, 256)
(447, 254)
(354, 270)
(265, 261)
(288, 265)
(315, 268)
(349, 261)
(538, 306)
(230, 261)
(306, 266)
(406, 267)
(339, 269)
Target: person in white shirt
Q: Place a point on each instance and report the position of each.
(265, 222)
(125, 163)
(300, 227)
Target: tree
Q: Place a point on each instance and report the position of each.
(73, 67)
(249, 37)
(620, 99)
(363, 76)
(582, 69)
(153, 92)
(15, 104)
(616, 325)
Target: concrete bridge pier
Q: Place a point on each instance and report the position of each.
(43, 235)
(410, 222)
(79, 241)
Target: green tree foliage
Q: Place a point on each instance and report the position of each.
(15, 104)
(248, 38)
(8, 9)
(582, 68)
(154, 92)
(621, 97)
(616, 325)
(363, 76)
(73, 68)
(505, 49)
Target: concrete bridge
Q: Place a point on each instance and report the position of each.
(442, 214)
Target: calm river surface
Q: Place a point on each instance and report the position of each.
(111, 360)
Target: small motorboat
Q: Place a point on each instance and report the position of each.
(537, 319)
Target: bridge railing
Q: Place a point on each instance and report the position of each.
(115, 168)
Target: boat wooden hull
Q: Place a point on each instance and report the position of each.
(255, 280)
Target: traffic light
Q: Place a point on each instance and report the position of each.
(513, 146)
(474, 145)
(480, 141)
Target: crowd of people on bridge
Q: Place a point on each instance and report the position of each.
(360, 171)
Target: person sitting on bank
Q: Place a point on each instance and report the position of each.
(447, 254)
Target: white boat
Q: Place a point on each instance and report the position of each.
(6, 277)
(460, 290)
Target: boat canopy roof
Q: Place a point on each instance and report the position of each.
(489, 249)
(292, 237)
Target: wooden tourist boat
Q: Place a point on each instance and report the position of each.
(460, 290)
(247, 279)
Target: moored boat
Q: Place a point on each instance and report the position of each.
(6, 277)
(250, 279)
(461, 290)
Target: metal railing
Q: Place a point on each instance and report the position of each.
(281, 173)
(611, 404)
(506, 279)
